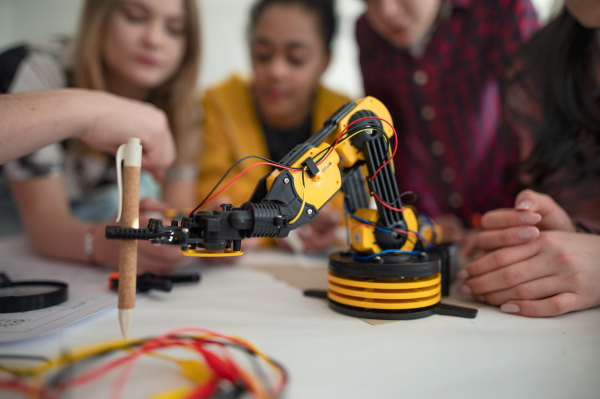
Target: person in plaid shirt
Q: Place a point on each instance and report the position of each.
(542, 254)
(436, 65)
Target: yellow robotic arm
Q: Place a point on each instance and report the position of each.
(394, 268)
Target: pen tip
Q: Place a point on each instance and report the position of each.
(125, 316)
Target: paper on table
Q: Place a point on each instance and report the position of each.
(306, 278)
(88, 294)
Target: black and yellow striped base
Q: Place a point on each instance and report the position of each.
(390, 294)
(404, 287)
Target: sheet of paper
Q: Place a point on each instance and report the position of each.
(88, 293)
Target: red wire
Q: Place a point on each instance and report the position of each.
(321, 161)
(15, 385)
(228, 367)
(238, 176)
(204, 391)
(382, 166)
(360, 119)
(119, 385)
(387, 205)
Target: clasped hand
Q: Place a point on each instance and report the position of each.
(535, 263)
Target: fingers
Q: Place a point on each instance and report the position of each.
(503, 218)
(553, 216)
(493, 239)
(157, 140)
(215, 205)
(498, 259)
(495, 272)
(150, 204)
(452, 228)
(328, 218)
(316, 240)
(468, 246)
(531, 290)
(553, 306)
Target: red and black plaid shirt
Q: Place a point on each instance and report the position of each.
(445, 105)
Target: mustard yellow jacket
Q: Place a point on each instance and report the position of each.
(232, 131)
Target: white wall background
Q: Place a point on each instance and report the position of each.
(224, 29)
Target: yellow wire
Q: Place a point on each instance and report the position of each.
(60, 360)
(189, 370)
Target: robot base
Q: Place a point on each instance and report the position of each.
(391, 287)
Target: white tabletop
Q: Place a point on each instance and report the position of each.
(329, 355)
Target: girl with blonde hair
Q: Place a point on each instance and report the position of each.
(146, 50)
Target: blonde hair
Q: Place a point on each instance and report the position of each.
(175, 97)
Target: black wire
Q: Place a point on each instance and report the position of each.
(325, 150)
(413, 200)
(25, 357)
(230, 169)
(60, 376)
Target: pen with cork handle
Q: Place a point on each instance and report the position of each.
(130, 155)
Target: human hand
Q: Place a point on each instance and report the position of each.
(453, 231)
(468, 249)
(116, 119)
(151, 258)
(531, 208)
(452, 227)
(157, 259)
(318, 235)
(555, 273)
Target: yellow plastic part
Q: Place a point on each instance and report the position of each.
(385, 294)
(320, 190)
(429, 232)
(362, 236)
(348, 154)
(210, 254)
(394, 284)
(370, 104)
(176, 393)
(395, 294)
(396, 304)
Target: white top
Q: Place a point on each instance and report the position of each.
(329, 355)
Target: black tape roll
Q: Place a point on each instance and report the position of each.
(22, 296)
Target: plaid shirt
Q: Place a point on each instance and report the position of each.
(445, 105)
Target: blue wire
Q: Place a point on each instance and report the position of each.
(432, 223)
(427, 243)
(387, 251)
(366, 221)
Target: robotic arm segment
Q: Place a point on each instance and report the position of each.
(292, 196)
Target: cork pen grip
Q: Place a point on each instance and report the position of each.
(128, 252)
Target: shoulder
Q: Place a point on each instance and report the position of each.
(36, 66)
(327, 102)
(230, 100)
(365, 35)
(231, 88)
(328, 97)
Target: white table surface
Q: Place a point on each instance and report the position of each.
(329, 355)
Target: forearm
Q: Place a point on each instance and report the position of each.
(45, 213)
(34, 120)
(179, 194)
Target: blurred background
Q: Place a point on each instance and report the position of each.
(224, 24)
